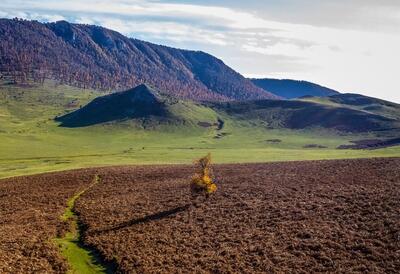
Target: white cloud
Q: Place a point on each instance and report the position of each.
(167, 30)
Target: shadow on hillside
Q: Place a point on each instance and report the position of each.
(146, 219)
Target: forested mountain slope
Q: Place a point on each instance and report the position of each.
(95, 57)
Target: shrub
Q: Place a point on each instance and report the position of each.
(202, 182)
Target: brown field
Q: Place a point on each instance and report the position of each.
(317, 216)
(30, 210)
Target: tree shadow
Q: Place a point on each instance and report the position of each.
(146, 219)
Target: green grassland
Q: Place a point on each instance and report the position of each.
(32, 142)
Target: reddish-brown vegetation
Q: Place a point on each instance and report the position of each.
(317, 216)
(338, 216)
(30, 210)
(94, 57)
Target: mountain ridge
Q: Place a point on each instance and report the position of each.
(290, 89)
(94, 57)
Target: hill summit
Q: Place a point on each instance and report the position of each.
(139, 102)
(143, 105)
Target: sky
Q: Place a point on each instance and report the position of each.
(348, 45)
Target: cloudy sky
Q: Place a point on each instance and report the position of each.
(349, 45)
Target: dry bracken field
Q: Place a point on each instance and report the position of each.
(338, 216)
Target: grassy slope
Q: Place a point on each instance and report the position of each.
(372, 105)
(31, 142)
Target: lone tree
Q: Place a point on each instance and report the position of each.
(202, 183)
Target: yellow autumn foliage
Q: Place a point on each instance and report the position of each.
(202, 182)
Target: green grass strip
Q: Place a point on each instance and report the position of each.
(80, 259)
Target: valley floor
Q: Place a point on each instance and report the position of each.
(310, 216)
(32, 142)
(10, 167)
